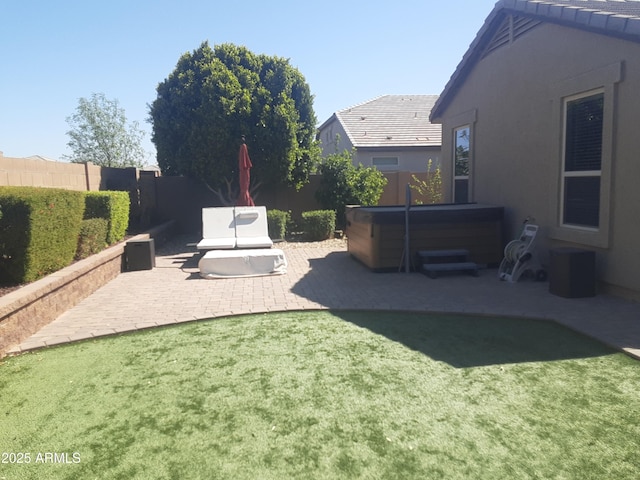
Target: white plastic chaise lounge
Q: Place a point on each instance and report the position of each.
(218, 229)
(253, 254)
(252, 229)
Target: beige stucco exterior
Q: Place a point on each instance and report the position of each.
(334, 139)
(513, 100)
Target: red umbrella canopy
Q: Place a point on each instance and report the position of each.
(244, 167)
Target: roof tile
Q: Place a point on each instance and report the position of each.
(544, 8)
(583, 17)
(633, 26)
(599, 19)
(531, 7)
(618, 23)
(556, 11)
(392, 121)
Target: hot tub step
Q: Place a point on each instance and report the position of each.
(443, 256)
(432, 269)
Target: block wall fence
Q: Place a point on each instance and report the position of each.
(156, 199)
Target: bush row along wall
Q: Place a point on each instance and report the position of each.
(38, 172)
(26, 310)
(156, 199)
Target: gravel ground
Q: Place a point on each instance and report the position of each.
(337, 243)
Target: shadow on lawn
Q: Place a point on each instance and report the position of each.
(340, 283)
(461, 340)
(464, 341)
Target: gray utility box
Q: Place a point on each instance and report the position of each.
(140, 255)
(572, 272)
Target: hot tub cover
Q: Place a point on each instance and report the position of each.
(425, 214)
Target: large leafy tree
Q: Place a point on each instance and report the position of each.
(214, 97)
(100, 134)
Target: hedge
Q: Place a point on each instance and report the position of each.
(39, 231)
(113, 206)
(319, 224)
(277, 221)
(93, 237)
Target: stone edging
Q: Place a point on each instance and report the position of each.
(26, 310)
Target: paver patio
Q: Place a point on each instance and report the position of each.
(322, 276)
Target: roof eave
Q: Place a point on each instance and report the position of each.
(401, 147)
(468, 61)
(327, 121)
(616, 25)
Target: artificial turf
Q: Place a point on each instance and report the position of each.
(325, 395)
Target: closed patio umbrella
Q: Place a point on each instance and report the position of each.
(244, 167)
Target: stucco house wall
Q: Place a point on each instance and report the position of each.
(409, 159)
(333, 137)
(513, 100)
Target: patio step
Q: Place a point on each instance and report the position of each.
(433, 262)
(431, 270)
(442, 256)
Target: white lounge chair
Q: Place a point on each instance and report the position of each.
(238, 244)
(252, 229)
(218, 229)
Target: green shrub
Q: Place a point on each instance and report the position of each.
(39, 231)
(319, 224)
(113, 206)
(93, 237)
(277, 221)
(344, 184)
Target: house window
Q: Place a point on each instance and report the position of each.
(582, 163)
(584, 117)
(385, 162)
(461, 164)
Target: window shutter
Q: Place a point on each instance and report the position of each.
(584, 134)
(583, 160)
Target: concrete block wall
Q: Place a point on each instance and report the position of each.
(26, 310)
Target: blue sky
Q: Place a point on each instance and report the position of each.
(54, 52)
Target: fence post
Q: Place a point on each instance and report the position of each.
(86, 176)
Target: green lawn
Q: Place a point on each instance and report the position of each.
(325, 395)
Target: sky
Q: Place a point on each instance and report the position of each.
(52, 53)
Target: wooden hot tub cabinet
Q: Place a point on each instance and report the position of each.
(376, 234)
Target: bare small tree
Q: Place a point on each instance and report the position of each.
(229, 195)
(431, 188)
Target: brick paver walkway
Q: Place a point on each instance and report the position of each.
(322, 276)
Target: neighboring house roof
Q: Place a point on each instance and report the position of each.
(617, 18)
(40, 157)
(391, 121)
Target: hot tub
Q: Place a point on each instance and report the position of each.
(376, 234)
